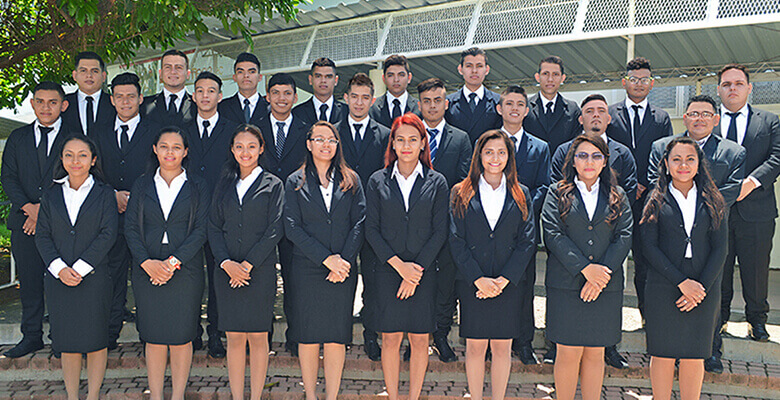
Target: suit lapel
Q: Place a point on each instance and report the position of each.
(395, 190)
(419, 184)
(294, 134)
(753, 127)
(522, 151)
(338, 194)
(59, 204)
(86, 206)
(140, 130)
(508, 201)
(602, 205)
(558, 110)
(312, 187)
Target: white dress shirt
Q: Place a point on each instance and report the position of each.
(253, 99)
(642, 108)
(363, 126)
(74, 198)
(166, 195)
(688, 208)
(179, 97)
(406, 184)
(492, 199)
(545, 101)
(51, 136)
(132, 124)
(402, 99)
(589, 197)
(480, 93)
(518, 137)
(742, 120)
(274, 127)
(318, 104)
(440, 127)
(212, 123)
(327, 194)
(242, 186)
(82, 99)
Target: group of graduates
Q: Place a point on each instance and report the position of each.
(434, 201)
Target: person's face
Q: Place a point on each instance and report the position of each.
(734, 89)
(207, 95)
(246, 75)
(550, 78)
(683, 163)
(494, 156)
(322, 144)
(407, 144)
(174, 72)
(474, 69)
(246, 150)
(638, 83)
(397, 78)
(595, 117)
(433, 104)
(700, 119)
(126, 100)
(89, 76)
(323, 81)
(48, 105)
(282, 98)
(359, 101)
(170, 151)
(77, 159)
(513, 108)
(588, 161)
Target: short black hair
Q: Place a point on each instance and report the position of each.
(473, 51)
(209, 75)
(281, 78)
(126, 78)
(89, 55)
(360, 79)
(395, 59)
(247, 57)
(428, 84)
(638, 63)
(174, 52)
(734, 66)
(552, 60)
(703, 98)
(323, 62)
(513, 89)
(593, 97)
(49, 85)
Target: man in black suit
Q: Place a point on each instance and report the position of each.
(473, 108)
(246, 106)
(451, 156)
(552, 117)
(172, 106)
(89, 105)
(396, 101)
(28, 161)
(322, 106)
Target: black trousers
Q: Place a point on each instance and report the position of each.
(285, 260)
(212, 313)
(750, 244)
(640, 262)
(30, 269)
(368, 262)
(527, 323)
(119, 259)
(446, 300)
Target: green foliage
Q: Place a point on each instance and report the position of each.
(5, 239)
(38, 38)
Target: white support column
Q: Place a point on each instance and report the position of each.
(306, 52)
(473, 25)
(383, 39)
(712, 10)
(630, 47)
(579, 19)
(376, 77)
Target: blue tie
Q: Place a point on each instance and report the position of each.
(247, 114)
(434, 146)
(280, 137)
(472, 101)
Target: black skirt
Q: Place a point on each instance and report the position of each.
(78, 315)
(494, 318)
(573, 322)
(249, 308)
(415, 314)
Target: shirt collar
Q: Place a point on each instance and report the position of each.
(287, 122)
(545, 101)
(518, 136)
(440, 127)
(318, 103)
(584, 188)
(212, 121)
(417, 171)
(179, 94)
(252, 99)
(131, 124)
(352, 122)
(83, 96)
(742, 111)
(402, 99)
(56, 125)
(253, 175)
(678, 194)
(85, 187)
(604, 137)
(701, 142)
(484, 185)
(642, 104)
(480, 92)
(181, 177)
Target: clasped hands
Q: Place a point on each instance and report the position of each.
(411, 274)
(597, 277)
(31, 211)
(69, 276)
(488, 288)
(159, 271)
(693, 293)
(339, 268)
(238, 272)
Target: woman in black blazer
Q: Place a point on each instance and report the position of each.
(165, 227)
(587, 229)
(324, 212)
(245, 224)
(406, 225)
(492, 236)
(685, 238)
(77, 226)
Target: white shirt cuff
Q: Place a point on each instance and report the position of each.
(755, 181)
(56, 266)
(82, 267)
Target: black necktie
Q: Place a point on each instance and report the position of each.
(549, 107)
(43, 147)
(732, 133)
(280, 137)
(124, 138)
(358, 139)
(172, 104)
(205, 134)
(396, 110)
(637, 124)
(247, 114)
(90, 114)
(472, 101)
(324, 112)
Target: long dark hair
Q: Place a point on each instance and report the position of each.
(415, 122)
(716, 205)
(154, 163)
(464, 191)
(338, 167)
(608, 183)
(231, 171)
(96, 170)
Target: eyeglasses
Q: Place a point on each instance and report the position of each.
(703, 114)
(583, 156)
(320, 140)
(634, 80)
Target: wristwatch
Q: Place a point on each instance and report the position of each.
(174, 262)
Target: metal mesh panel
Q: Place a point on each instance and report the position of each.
(766, 93)
(606, 14)
(282, 51)
(664, 97)
(661, 12)
(738, 8)
(503, 20)
(428, 30)
(347, 41)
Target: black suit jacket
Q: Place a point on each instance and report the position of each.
(655, 125)
(380, 112)
(416, 235)
(453, 154)
(21, 176)
(305, 112)
(294, 151)
(155, 108)
(371, 155)
(122, 167)
(726, 160)
(576, 242)
(532, 161)
(565, 124)
(208, 156)
(232, 237)
(506, 251)
(665, 241)
(484, 118)
(232, 109)
(106, 113)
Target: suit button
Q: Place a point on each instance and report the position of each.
(590, 227)
(73, 232)
(492, 235)
(39, 188)
(328, 222)
(202, 168)
(590, 242)
(239, 240)
(122, 162)
(590, 258)
(240, 209)
(240, 225)
(121, 179)
(406, 218)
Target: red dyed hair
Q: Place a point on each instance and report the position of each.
(413, 121)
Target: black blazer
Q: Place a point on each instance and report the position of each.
(655, 125)
(415, 235)
(21, 176)
(576, 242)
(484, 118)
(532, 161)
(248, 231)
(294, 151)
(762, 161)
(726, 160)
(232, 109)
(380, 112)
(106, 113)
(504, 251)
(371, 155)
(316, 232)
(620, 159)
(453, 154)
(155, 108)
(305, 112)
(89, 239)
(122, 167)
(565, 123)
(207, 157)
(186, 223)
(664, 242)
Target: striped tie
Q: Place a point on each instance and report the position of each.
(280, 137)
(432, 142)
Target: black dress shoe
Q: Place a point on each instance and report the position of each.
(292, 347)
(197, 343)
(442, 346)
(614, 359)
(714, 365)
(112, 345)
(216, 349)
(526, 354)
(758, 332)
(407, 353)
(24, 348)
(128, 316)
(549, 357)
(372, 350)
